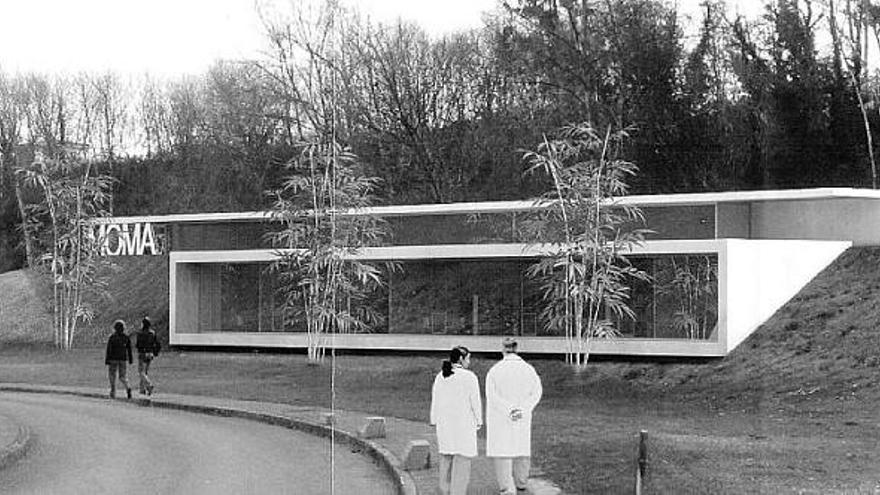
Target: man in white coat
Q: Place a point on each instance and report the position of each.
(513, 389)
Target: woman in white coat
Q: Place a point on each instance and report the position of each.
(457, 411)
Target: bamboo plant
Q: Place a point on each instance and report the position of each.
(584, 233)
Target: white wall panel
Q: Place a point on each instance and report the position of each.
(760, 276)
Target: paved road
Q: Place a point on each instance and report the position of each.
(100, 446)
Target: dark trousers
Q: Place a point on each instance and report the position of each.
(114, 369)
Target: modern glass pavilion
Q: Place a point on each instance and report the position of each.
(721, 264)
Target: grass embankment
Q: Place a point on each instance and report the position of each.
(793, 409)
(24, 316)
(136, 287)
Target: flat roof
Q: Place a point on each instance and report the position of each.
(685, 199)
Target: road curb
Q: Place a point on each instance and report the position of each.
(17, 449)
(403, 481)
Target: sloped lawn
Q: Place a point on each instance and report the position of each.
(586, 427)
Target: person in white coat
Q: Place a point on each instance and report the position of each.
(513, 389)
(457, 411)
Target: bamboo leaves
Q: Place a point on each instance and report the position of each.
(69, 197)
(585, 277)
(324, 289)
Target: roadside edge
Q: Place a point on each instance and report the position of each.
(402, 480)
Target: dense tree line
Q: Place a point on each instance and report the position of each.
(740, 104)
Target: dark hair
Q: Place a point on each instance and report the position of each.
(455, 355)
(119, 325)
(146, 323)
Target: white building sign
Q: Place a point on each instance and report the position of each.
(136, 239)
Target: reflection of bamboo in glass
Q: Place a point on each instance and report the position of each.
(693, 288)
(709, 287)
(683, 319)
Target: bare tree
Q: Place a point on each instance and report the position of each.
(112, 108)
(42, 102)
(154, 116)
(416, 96)
(850, 44)
(86, 115)
(13, 111)
(187, 111)
(299, 64)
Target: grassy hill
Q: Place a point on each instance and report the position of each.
(137, 286)
(25, 315)
(825, 341)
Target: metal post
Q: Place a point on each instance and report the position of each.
(642, 471)
(390, 286)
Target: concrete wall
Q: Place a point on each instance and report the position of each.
(732, 221)
(757, 277)
(857, 220)
(680, 222)
(403, 342)
(220, 236)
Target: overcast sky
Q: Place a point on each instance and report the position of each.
(169, 37)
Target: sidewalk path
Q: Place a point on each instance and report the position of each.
(389, 450)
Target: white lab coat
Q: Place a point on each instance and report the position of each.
(511, 384)
(457, 411)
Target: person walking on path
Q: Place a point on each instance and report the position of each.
(118, 352)
(513, 389)
(457, 412)
(148, 348)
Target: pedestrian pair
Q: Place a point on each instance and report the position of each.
(513, 389)
(119, 356)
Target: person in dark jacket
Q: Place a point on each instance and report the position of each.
(118, 352)
(148, 347)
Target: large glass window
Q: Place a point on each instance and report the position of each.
(461, 298)
(497, 298)
(228, 297)
(455, 297)
(679, 302)
(248, 298)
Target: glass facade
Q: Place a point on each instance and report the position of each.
(462, 298)
(679, 302)
(230, 297)
(458, 297)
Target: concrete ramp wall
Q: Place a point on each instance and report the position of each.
(759, 276)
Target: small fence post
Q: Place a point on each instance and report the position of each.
(642, 469)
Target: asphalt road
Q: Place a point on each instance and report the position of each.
(93, 446)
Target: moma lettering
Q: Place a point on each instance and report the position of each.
(124, 239)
